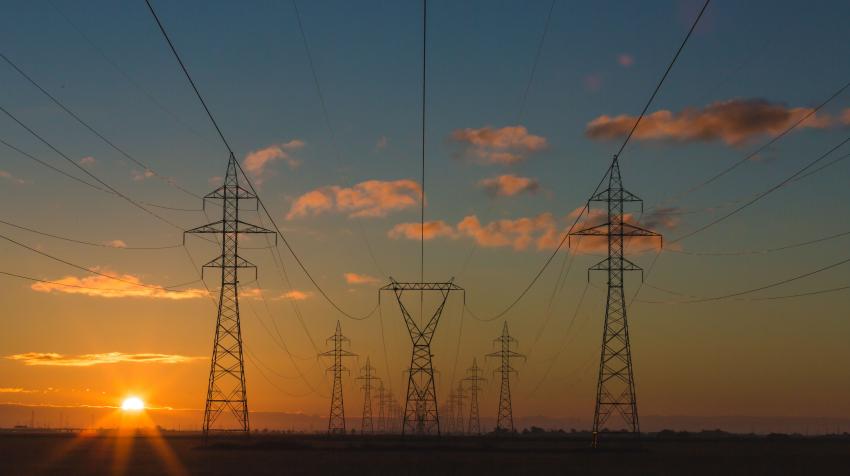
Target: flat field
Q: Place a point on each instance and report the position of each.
(186, 453)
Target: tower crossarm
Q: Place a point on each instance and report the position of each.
(608, 194)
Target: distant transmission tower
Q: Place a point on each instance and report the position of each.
(382, 423)
(226, 390)
(336, 417)
(474, 378)
(420, 411)
(505, 419)
(615, 389)
(460, 396)
(367, 376)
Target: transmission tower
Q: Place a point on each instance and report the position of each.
(421, 416)
(336, 417)
(226, 392)
(505, 419)
(367, 376)
(615, 389)
(460, 396)
(474, 378)
(382, 424)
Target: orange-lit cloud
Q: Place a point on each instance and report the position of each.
(413, 231)
(372, 198)
(507, 145)
(509, 185)
(354, 278)
(733, 122)
(518, 233)
(8, 176)
(626, 60)
(657, 220)
(255, 162)
(143, 175)
(845, 117)
(593, 82)
(15, 390)
(295, 295)
(116, 243)
(101, 286)
(88, 160)
(87, 360)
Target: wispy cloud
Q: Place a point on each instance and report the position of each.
(101, 286)
(372, 198)
(509, 185)
(8, 176)
(256, 161)
(414, 231)
(626, 60)
(16, 390)
(52, 359)
(733, 122)
(295, 295)
(88, 160)
(139, 176)
(505, 146)
(354, 278)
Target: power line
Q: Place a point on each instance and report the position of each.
(68, 285)
(422, 199)
(586, 205)
(761, 195)
(261, 204)
(83, 169)
(762, 251)
(757, 151)
(89, 243)
(188, 76)
(87, 270)
(93, 130)
(700, 299)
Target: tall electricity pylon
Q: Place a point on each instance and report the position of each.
(505, 418)
(367, 376)
(460, 396)
(421, 416)
(226, 389)
(474, 377)
(336, 417)
(615, 389)
(382, 422)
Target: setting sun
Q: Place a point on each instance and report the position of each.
(132, 404)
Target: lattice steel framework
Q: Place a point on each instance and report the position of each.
(615, 389)
(460, 396)
(505, 418)
(367, 375)
(226, 392)
(336, 416)
(421, 415)
(474, 378)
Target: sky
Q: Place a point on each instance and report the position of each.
(514, 147)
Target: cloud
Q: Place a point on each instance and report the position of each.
(509, 185)
(626, 60)
(354, 278)
(88, 160)
(734, 121)
(140, 176)
(53, 359)
(256, 161)
(12, 178)
(845, 117)
(116, 243)
(295, 295)
(382, 143)
(15, 390)
(540, 232)
(593, 82)
(101, 286)
(413, 231)
(372, 198)
(505, 146)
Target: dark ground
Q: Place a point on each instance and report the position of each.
(71, 454)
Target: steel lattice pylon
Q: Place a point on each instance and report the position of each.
(615, 390)
(226, 390)
(421, 415)
(505, 418)
(460, 396)
(474, 377)
(367, 376)
(336, 417)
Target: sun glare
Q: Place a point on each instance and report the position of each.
(132, 404)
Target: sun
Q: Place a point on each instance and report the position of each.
(132, 404)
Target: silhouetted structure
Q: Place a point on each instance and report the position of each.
(421, 415)
(460, 396)
(505, 418)
(474, 378)
(226, 390)
(615, 389)
(336, 417)
(367, 376)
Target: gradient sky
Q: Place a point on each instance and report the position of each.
(750, 69)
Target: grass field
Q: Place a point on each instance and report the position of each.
(71, 454)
